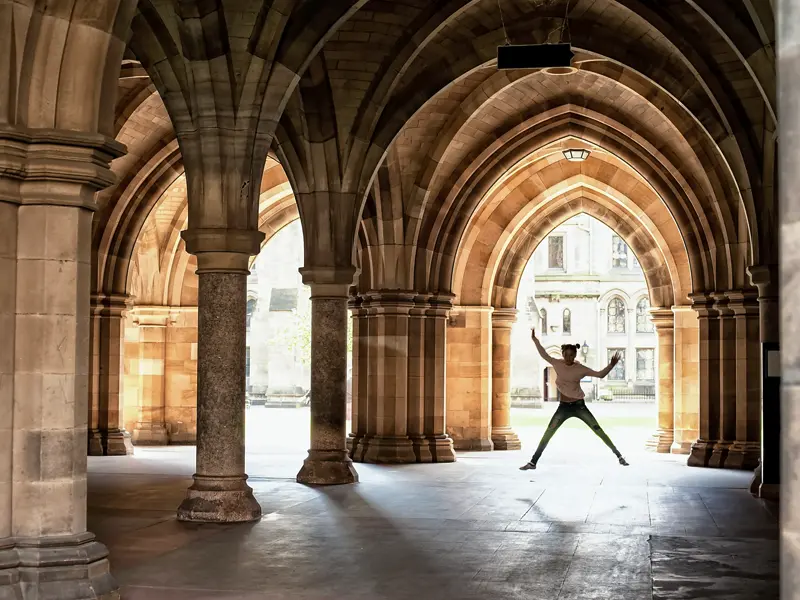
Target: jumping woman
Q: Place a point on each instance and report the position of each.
(568, 376)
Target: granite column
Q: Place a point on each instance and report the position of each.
(328, 460)
(220, 493)
(503, 437)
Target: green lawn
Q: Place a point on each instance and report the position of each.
(540, 419)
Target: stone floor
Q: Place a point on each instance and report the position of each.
(579, 528)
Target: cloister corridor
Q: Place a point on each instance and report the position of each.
(269, 271)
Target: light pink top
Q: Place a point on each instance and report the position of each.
(568, 380)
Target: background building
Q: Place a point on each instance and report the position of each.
(585, 286)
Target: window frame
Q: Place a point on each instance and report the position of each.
(566, 321)
(648, 326)
(624, 316)
(614, 239)
(563, 266)
(652, 363)
(620, 365)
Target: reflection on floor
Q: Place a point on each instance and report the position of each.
(579, 528)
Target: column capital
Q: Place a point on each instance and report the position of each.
(504, 318)
(722, 304)
(389, 302)
(704, 305)
(663, 318)
(766, 278)
(109, 305)
(55, 167)
(329, 282)
(223, 250)
(743, 302)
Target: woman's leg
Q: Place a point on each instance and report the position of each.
(562, 414)
(585, 415)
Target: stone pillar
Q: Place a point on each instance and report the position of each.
(9, 575)
(360, 373)
(745, 450)
(727, 381)
(385, 439)
(687, 384)
(107, 435)
(54, 556)
(768, 474)
(664, 323)
(328, 460)
(152, 323)
(503, 437)
(220, 493)
(428, 379)
(709, 380)
(469, 378)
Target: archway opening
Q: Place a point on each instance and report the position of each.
(584, 285)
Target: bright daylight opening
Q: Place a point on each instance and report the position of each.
(584, 286)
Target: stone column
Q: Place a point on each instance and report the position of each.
(55, 555)
(328, 460)
(469, 378)
(386, 437)
(152, 323)
(664, 323)
(360, 374)
(107, 435)
(767, 478)
(503, 437)
(687, 384)
(745, 451)
(709, 330)
(220, 493)
(9, 576)
(727, 381)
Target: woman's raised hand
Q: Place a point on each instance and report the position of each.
(533, 333)
(615, 359)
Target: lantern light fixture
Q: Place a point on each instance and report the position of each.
(576, 154)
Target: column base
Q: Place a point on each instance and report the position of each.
(219, 500)
(719, 455)
(433, 449)
(700, 454)
(57, 568)
(661, 441)
(114, 442)
(743, 455)
(504, 438)
(150, 434)
(681, 448)
(388, 450)
(475, 445)
(327, 467)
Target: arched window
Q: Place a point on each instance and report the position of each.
(566, 325)
(643, 322)
(616, 316)
(543, 315)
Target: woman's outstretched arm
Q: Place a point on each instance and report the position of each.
(542, 352)
(601, 374)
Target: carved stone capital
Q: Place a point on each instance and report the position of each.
(504, 318)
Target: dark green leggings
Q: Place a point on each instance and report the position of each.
(565, 411)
